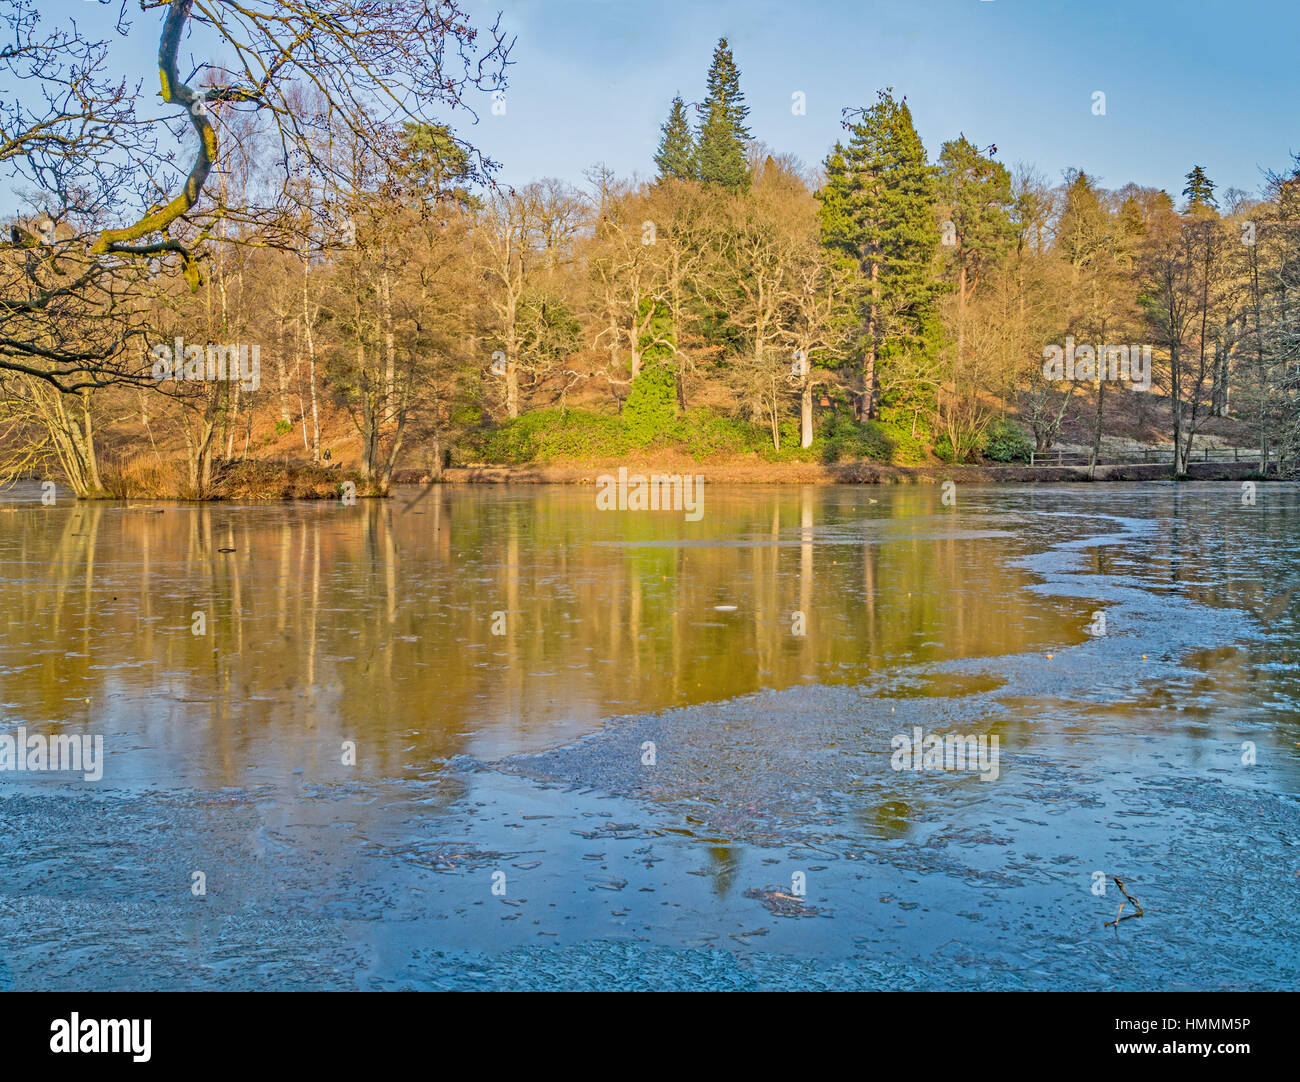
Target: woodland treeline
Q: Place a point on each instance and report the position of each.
(888, 303)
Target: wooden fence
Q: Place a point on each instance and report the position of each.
(1151, 456)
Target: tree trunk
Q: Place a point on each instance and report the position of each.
(282, 376)
(806, 415)
(1176, 403)
(307, 320)
(1096, 433)
(867, 409)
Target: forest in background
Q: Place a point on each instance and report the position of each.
(407, 312)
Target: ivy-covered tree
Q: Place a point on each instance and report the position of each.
(651, 405)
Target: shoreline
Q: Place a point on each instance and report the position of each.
(778, 473)
(852, 473)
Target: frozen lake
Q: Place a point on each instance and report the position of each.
(501, 738)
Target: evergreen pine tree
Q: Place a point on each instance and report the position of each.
(910, 233)
(877, 215)
(977, 191)
(1083, 230)
(676, 155)
(1200, 192)
(721, 148)
(435, 164)
(1132, 221)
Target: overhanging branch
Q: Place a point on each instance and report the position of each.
(174, 91)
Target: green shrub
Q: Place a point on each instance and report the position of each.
(944, 451)
(905, 449)
(1006, 441)
(842, 436)
(702, 434)
(544, 435)
(790, 450)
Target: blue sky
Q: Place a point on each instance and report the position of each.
(1186, 81)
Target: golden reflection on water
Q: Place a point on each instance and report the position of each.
(376, 624)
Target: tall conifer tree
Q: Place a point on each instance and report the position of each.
(1200, 192)
(676, 155)
(721, 152)
(878, 214)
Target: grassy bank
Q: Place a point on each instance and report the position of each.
(248, 480)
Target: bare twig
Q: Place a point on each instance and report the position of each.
(1121, 914)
